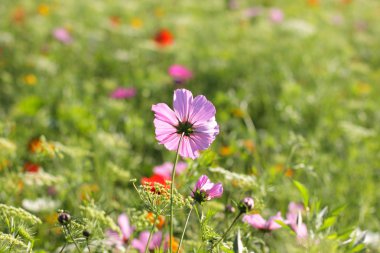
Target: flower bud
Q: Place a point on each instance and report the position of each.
(86, 234)
(229, 209)
(64, 218)
(246, 205)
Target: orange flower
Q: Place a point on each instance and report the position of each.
(115, 20)
(225, 151)
(289, 172)
(30, 79)
(175, 244)
(18, 15)
(346, 1)
(313, 2)
(164, 38)
(35, 145)
(250, 145)
(160, 220)
(237, 112)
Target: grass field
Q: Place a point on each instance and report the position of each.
(296, 87)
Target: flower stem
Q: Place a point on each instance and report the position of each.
(184, 229)
(171, 194)
(72, 238)
(228, 230)
(151, 233)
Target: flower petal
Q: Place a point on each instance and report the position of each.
(255, 220)
(125, 226)
(182, 102)
(163, 112)
(201, 110)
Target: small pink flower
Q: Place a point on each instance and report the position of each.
(179, 73)
(252, 12)
(293, 219)
(62, 35)
(142, 241)
(205, 190)
(165, 170)
(114, 239)
(256, 221)
(194, 118)
(276, 15)
(123, 93)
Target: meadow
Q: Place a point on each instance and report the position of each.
(280, 137)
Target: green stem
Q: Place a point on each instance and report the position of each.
(199, 217)
(151, 233)
(228, 230)
(171, 194)
(72, 238)
(184, 229)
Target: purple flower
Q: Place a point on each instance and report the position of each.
(165, 170)
(114, 239)
(256, 221)
(205, 190)
(141, 242)
(276, 15)
(123, 93)
(62, 35)
(194, 118)
(179, 73)
(294, 219)
(246, 205)
(251, 12)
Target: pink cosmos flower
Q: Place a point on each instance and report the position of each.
(194, 118)
(256, 221)
(165, 170)
(276, 15)
(141, 242)
(62, 35)
(179, 73)
(205, 190)
(123, 93)
(293, 219)
(114, 239)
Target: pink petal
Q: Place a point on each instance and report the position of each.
(255, 220)
(171, 141)
(124, 225)
(201, 110)
(216, 191)
(182, 102)
(163, 113)
(272, 224)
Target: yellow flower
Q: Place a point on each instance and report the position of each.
(136, 23)
(43, 9)
(237, 112)
(87, 190)
(30, 79)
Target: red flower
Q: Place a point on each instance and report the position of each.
(150, 181)
(164, 37)
(31, 167)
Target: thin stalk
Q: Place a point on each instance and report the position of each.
(72, 238)
(184, 229)
(150, 234)
(228, 230)
(64, 246)
(88, 245)
(171, 194)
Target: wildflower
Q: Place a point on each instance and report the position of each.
(225, 151)
(115, 20)
(174, 244)
(192, 118)
(141, 242)
(165, 170)
(294, 219)
(205, 190)
(313, 2)
(276, 15)
(35, 145)
(40, 204)
(64, 218)
(155, 179)
(136, 23)
(160, 220)
(164, 37)
(251, 12)
(123, 93)
(179, 73)
(61, 34)
(246, 205)
(114, 239)
(30, 79)
(229, 209)
(256, 221)
(18, 15)
(31, 167)
(43, 9)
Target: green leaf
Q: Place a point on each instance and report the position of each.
(304, 192)
(329, 222)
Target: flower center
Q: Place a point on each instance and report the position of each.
(185, 127)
